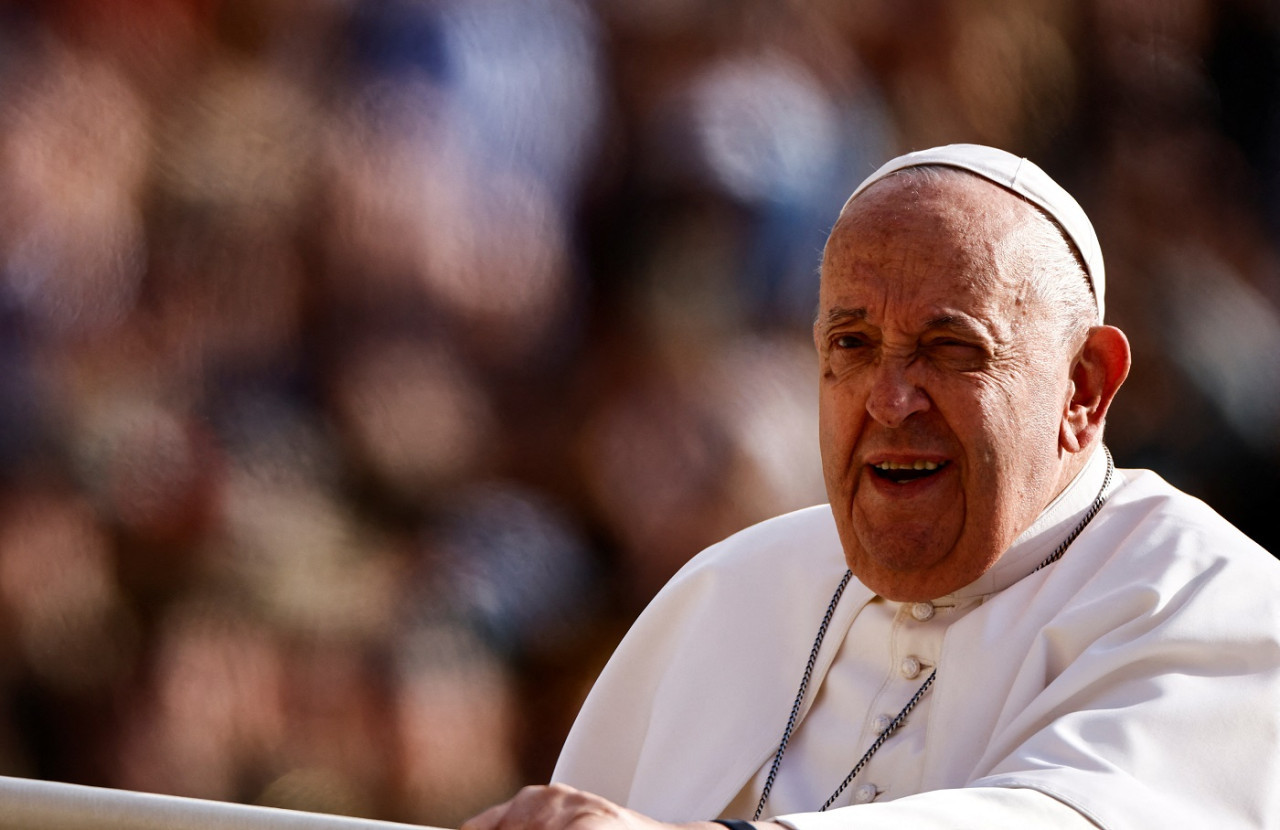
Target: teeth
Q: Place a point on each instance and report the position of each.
(914, 465)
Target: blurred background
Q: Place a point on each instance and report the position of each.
(365, 365)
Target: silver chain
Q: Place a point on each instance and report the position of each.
(804, 687)
(901, 717)
(879, 741)
(1098, 501)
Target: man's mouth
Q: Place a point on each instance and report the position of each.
(903, 472)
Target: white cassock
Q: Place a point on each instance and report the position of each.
(1134, 683)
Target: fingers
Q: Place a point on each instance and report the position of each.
(488, 820)
(555, 807)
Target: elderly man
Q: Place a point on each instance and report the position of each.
(989, 626)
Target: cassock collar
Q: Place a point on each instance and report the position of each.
(1046, 533)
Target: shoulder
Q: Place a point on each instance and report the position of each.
(687, 676)
(785, 558)
(1154, 559)
(802, 534)
(1150, 519)
(1157, 558)
(749, 580)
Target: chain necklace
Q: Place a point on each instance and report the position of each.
(901, 717)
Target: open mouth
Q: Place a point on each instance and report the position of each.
(902, 473)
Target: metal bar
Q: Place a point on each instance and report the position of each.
(27, 804)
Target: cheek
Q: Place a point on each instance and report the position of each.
(829, 433)
(839, 427)
(1000, 409)
(840, 417)
(1011, 434)
(1026, 417)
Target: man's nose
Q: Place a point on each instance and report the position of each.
(894, 395)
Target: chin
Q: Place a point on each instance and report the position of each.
(912, 588)
(892, 583)
(905, 557)
(902, 575)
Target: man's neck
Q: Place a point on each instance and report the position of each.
(1048, 530)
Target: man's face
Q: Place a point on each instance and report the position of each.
(943, 383)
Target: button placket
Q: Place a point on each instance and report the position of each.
(915, 641)
(915, 644)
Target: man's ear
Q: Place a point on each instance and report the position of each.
(1096, 375)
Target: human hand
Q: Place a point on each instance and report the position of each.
(561, 807)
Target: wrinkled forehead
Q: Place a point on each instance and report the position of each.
(929, 246)
(933, 212)
(1018, 176)
(935, 189)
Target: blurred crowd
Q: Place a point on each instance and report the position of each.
(365, 365)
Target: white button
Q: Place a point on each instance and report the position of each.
(922, 611)
(910, 667)
(865, 794)
(881, 723)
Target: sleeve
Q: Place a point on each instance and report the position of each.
(990, 808)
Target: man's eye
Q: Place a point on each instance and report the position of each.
(956, 346)
(849, 341)
(957, 352)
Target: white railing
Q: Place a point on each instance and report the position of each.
(26, 804)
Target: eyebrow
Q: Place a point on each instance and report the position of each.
(961, 324)
(841, 314)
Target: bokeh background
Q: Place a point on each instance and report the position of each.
(365, 365)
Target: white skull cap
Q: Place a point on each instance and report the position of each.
(1023, 178)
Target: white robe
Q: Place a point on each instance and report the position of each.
(1136, 680)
